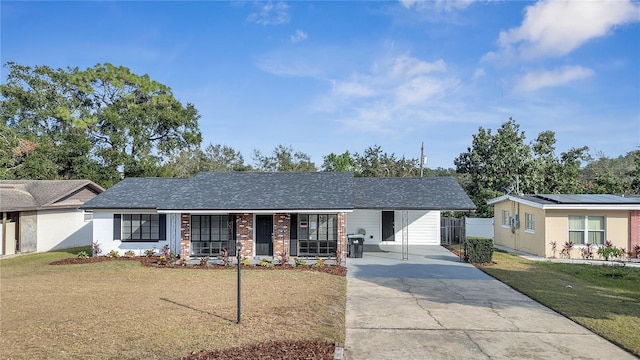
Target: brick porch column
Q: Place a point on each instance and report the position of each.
(185, 236)
(244, 233)
(281, 235)
(634, 229)
(342, 236)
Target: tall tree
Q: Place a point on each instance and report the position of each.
(495, 162)
(221, 158)
(337, 163)
(96, 123)
(376, 163)
(283, 159)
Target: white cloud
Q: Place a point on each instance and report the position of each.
(541, 79)
(270, 13)
(399, 89)
(298, 36)
(556, 28)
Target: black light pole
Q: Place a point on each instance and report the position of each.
(238, 248)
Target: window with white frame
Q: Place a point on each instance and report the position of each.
(530, 222)
(505, 218)
(587, 229)
(139, 227)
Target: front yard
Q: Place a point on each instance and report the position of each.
(120, 309)
(603, 299)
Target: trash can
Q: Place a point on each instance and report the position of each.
(356, 244)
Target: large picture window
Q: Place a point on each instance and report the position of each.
(210, 234)
(317, 234)
(139, 227)
(587, 229)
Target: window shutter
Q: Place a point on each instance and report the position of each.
(117, 228)
(163, 226)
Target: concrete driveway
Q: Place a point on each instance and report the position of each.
(433, 306)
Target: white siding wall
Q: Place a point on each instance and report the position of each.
(424, 226)
(62, 229)
(103, 234)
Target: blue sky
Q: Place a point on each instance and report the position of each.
(326, 77)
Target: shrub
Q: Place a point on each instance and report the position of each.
(204, 261)
(319, 263)
(554, 248)
(609, 252)
(284, 257)
(83, 255)
(246, 261)
(300, 262)
(566, 249)
(166, 252)
(113, 254)
(95, 249)
(586, 251)
(183, 261)
(129, 253)
(266, 263)
(635, 253)
(149, 253)
(478, 249)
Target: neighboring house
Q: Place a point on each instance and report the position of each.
(531, 223)
(43, 215)
(271, 214)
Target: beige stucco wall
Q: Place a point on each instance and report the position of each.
(557, 228)
(532, 242)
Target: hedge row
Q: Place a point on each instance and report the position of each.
(478, 249)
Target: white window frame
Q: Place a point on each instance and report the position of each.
(586, 229)
(529, 223)
(506, 219)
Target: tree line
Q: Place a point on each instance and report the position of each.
(105, 122)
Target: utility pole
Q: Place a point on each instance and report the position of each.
(421, 159)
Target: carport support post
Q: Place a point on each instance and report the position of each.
(238, 255)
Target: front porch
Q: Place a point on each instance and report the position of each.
(264, 235)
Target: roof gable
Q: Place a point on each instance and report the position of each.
(40, 194)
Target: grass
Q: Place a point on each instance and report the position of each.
(120, 309)
(603, 299)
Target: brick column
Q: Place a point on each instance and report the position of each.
(185, 236)
(634, 229)
(342, 235)
(244, 233)
(281, 235)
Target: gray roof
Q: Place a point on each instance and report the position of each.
(232, 191)
(23, 195)
(245, 191)
(582, 199)
(429, 193)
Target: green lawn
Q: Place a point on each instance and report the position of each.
(604, 299)
(120, 309)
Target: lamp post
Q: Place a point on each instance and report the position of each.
(238, 255)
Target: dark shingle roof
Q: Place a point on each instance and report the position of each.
(232, 191)
(16, 195)
(430, 193)
(245, 191)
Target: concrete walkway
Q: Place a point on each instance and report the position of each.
(433, 306)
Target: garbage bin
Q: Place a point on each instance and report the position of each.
(356, 244)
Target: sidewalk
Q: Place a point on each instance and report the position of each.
(433, 306)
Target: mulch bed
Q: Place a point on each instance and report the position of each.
(152, 262)
(281, 350)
